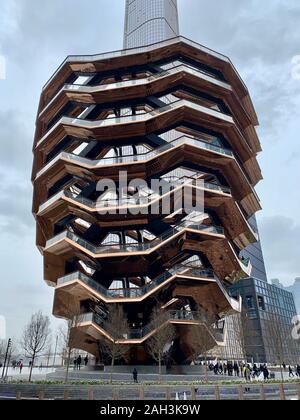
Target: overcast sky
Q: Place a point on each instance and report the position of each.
(261, 38)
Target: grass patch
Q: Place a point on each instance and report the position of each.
(152, 383)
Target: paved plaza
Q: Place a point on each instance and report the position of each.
(51, 374)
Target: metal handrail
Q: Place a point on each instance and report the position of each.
(125, 83)
(138, 247)
(138, 201)
(134, 334)
(136, 118)
(137, 292)
(201, 143)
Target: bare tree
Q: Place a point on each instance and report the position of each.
(243, 334)
(35, 337)
(202, 336)
(12, 354)
(4, 355)
(280, 340)
(67, 335)
(48, 355)
(2, 349)
(116, 326)
(12, 351)
(241, 328)
(157, 344)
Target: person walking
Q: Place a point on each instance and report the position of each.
(79, 361)
(216, 368)
(75, 363)
(291, 373)
(246, 374)
(86, 360)
(255, 371)
(266, 373)
(236, 369)
(298, 371)
(220, 369)
(225, 368)
(244, 371)
(21, 366)
(135, 375)
(230, 368)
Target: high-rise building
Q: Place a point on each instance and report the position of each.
(150, 21)
(294, 289)
(270, 313)
(172, 112)
(255, 254)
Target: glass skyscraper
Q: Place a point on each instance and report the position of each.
(150, 21)
(265, 304)
(255, 254)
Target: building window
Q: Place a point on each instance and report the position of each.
(252, 314)
(261, 303)
(249, 302)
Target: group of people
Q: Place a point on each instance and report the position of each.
(293, 372)
(78, 362)
(256, 371)
(227, 368)
(17, 365)
(240, 370)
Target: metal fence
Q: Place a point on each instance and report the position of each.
(286, 391)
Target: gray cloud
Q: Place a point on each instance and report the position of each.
(245, 31)
(16, 141)
(15, 204)
(261, 41)
(23, 290)
(15, 171)
(76, 26)
(281, 239)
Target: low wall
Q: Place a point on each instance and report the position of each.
(187, 370)
(174, 370)
(128, 369)
(141, 369)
